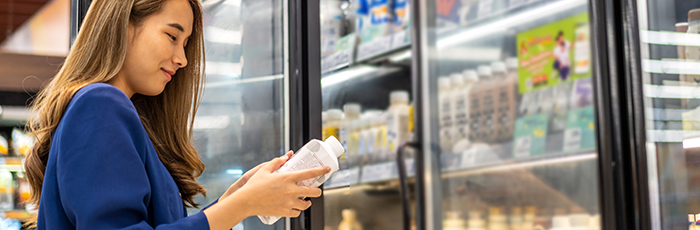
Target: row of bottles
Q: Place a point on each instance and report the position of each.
(368, 19)
(373, 136)
(19, 144)
(478, 105)
(531, 219)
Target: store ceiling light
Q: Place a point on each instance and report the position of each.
(345, 75)
(691, 143)
(235, 172)
(219, 35)
(508, 22)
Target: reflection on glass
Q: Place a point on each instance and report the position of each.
(514, 117)
(240, 121)
(670, 53)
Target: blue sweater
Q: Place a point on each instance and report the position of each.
(104, 173)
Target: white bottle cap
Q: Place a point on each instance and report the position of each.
(335, 114)
(512, 63)
(470, 76)
(444, 82)
(324, 116)
(457, 79)
(352, 108)
(484, 71)
(398, 96)
(498, 67)
(335, 146)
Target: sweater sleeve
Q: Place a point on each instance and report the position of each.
(102, 179)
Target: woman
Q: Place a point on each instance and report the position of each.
(114, 127)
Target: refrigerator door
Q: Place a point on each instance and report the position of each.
(366, 100)
(241, 121)
(669, 48)
(508, 115)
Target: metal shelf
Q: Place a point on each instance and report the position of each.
(514, 164)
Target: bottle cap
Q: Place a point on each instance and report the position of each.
(693, 15)
(324, 116)
(399, 96)
(470, 76)
(484, 71)
(352, 108)
(335, 114)
(457, 79)
(444, 82)
(512, 63)
(682, 27)
(498, 67)
(335, 146)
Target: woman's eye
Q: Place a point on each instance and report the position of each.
(172, 37)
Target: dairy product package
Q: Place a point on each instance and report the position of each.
(314, 154)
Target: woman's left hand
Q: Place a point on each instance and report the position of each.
(244, 179)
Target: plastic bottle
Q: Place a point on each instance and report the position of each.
(349, 221)
(497, 220)
(397, 121)
(324, 123)
(516, 218)
(367, 137)
(380, 15)
(453, 221)
(332, 128)
(445, 113)
(314, 154)
(363, 19)
(692, 53)
(482, 107)
(381, 135)
(7, 191)
(331, 25)
(475, 221)
(352, 114)
(460, 117)
(401, 14)
(506, 101)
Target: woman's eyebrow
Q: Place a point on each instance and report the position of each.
(177, 26)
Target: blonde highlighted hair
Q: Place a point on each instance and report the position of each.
(97, 55)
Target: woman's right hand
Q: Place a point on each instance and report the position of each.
(277, 194)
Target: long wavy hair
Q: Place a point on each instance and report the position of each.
(97, 55)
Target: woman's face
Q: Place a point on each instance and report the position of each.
(156, 50)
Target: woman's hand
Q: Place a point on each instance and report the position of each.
(277, 194)
(244, 179)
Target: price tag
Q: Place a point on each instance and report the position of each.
(399, 40)
(485, 8)
(379, 172)
(572, 139)
(468, 158)
(522, 147)
(374, 47)
(336, 60)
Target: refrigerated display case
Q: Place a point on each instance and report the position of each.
(508, 115)
(664, 41)
(366, 99)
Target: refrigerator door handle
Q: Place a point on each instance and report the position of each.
(403, 180)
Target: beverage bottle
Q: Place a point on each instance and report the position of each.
(331, 25)
(7, 192)
(380, 132)
(332, 127)
(314, 154)
(445, 113)
(368, 137)
(397, 121)
(482, 107)
(349, 221)
(459, 94)
(506, 99)
(352, 114)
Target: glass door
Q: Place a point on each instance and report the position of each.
(509, 116)
(241, 119)
(670, 64)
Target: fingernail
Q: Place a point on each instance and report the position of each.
(328, 169)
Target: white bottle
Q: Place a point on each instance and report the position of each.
(445, 113)
(332, 128)
(7, 192)
(352, 114)
(397, 121)
(314, 154)
(460, 117)
(381, 142)
(331, 17)
(368, 137)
